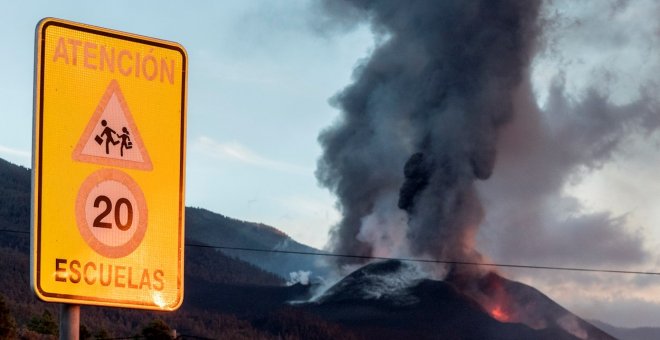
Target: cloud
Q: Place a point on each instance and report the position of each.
(596, 79)
(599, 96)
(618, 299)
(625, 312)
(17, 154)
(529, 214)
(610, 45)
(237, 152)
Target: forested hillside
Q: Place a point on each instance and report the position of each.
(202, 226)
(225, 298)
(14, 196)
(206, 226)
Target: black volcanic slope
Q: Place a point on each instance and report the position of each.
(391, 300)
(528, 305)
(227, 298)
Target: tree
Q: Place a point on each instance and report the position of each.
(101, 334)
(45, 324)
(157, 330)
(7, 322)
(84, 333)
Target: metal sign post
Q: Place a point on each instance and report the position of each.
(69, 322)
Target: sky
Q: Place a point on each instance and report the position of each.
(261, 78)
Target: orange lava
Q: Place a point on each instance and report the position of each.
(499, 314)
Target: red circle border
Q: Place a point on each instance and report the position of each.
(83, 227)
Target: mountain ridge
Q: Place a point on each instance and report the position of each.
(210, 291)
(205, 226)
(202, 227)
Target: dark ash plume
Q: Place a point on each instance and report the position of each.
(421, 120)
(417, 171)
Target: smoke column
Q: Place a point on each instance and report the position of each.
(419, 124)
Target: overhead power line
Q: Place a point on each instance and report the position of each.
(14, 231)
(467, 263)
(417, 260)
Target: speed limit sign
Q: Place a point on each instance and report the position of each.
(111, 213)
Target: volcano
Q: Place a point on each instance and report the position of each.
(395, 300)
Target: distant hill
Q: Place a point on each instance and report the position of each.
(225, 297)
(202, 226)
(208, 264)
(205, 226)
(623, 333)
(14, 196)
(228, 298)
(14, 206)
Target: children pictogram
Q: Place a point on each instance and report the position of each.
(125, 141)
(111, 136)
(107, 133)
(106, 137)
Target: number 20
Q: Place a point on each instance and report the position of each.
(98, 221)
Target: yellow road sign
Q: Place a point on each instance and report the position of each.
(108, 167)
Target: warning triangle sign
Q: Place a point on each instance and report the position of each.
(111, 136)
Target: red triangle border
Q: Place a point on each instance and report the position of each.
(113, 88)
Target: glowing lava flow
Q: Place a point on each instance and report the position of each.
(499, 314)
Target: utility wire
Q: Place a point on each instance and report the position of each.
(14, 231)
(179, 336)
(505, 265)
(364, 257)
